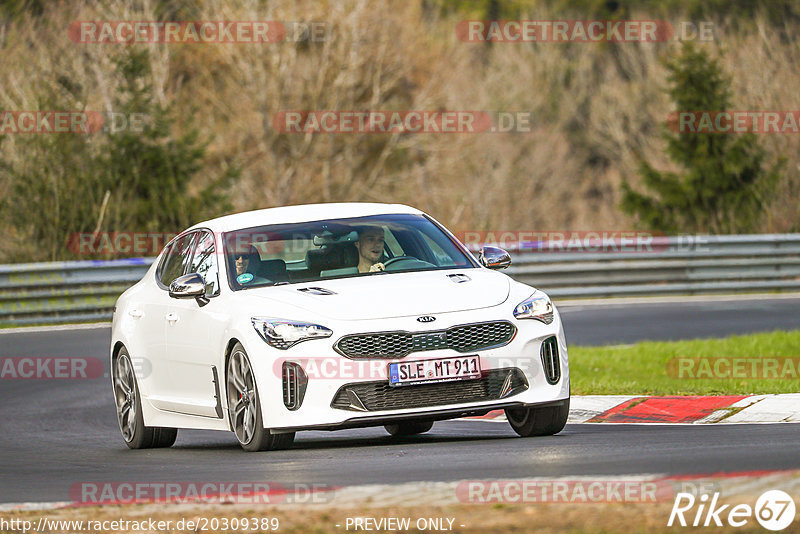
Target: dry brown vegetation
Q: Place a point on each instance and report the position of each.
(597, 108)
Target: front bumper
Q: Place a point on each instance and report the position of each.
(330, 374)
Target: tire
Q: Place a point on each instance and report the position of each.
(129, 409)
(542, 421)
(244, 407)
(408, 428)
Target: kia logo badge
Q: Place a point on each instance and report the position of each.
(426, 319)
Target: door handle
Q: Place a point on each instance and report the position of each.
(136, 314)
(173, 317)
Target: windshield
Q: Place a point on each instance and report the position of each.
(320, 250)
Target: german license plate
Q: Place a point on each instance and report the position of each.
(439, 370)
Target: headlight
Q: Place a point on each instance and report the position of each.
(283, 334)
(537, 306)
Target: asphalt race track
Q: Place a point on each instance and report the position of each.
(58, 433)
(620, 323)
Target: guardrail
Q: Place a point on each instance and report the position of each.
(689, 265)
(64, 292)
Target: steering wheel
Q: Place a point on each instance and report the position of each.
(396, 259)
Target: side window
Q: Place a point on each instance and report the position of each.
(204, 262)
(175, 261)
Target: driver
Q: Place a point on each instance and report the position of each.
(370, 249)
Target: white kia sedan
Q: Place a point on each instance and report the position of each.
(331, 316)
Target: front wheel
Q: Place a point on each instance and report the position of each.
(129, 409)
(244, 407)
(538, 421)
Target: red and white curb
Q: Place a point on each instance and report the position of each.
(783, 408)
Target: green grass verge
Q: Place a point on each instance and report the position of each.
(684, 367)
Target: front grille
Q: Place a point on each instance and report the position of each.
(462, 338)
(381, 345)
(550, 360)
(480, 336)
(376, 396)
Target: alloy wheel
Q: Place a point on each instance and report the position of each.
(242, 399)
(125, 395)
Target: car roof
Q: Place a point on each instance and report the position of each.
(302, 213)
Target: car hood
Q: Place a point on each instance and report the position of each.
(389, 295)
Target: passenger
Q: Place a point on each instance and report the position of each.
(246, 266)
(242, 261)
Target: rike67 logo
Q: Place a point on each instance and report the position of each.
(774, 510)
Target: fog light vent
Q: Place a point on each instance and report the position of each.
(550, 360)
(295, 382)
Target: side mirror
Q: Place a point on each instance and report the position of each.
(188, 286)
(494, 258)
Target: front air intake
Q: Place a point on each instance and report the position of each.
(377, 396)
(550, 360)
(295, 382)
